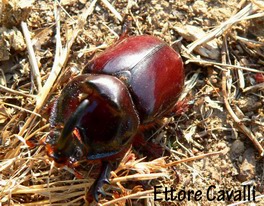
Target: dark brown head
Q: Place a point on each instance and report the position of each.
(93, 118)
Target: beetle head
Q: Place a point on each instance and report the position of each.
(93, 118)
(64, 144)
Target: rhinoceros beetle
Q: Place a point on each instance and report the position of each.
(97, 115)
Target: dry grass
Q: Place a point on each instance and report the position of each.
(222, 46)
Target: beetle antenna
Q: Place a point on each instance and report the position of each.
(72, 122)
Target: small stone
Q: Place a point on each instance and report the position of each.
(247, 169)
(199, 7)
(237, 147)
(221, 146)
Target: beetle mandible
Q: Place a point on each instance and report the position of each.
(97, 115)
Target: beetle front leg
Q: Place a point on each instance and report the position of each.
(103, 178)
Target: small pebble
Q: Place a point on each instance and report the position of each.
(247, 169)
(237, 147)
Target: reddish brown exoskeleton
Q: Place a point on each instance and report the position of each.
(97, 115)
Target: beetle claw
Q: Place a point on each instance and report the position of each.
(97, 187)
(107, 181)
(96, 194)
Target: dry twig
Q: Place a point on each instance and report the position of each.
(112, 9)
(32, 57)
(245, 12)
(240, 124)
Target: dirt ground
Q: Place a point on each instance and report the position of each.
(217, 140)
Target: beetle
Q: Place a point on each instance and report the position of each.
(96, 117)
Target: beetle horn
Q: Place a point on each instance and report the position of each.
(72, 122)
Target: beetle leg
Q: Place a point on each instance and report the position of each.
(96, 188)
(72, 122)
(126, 26)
